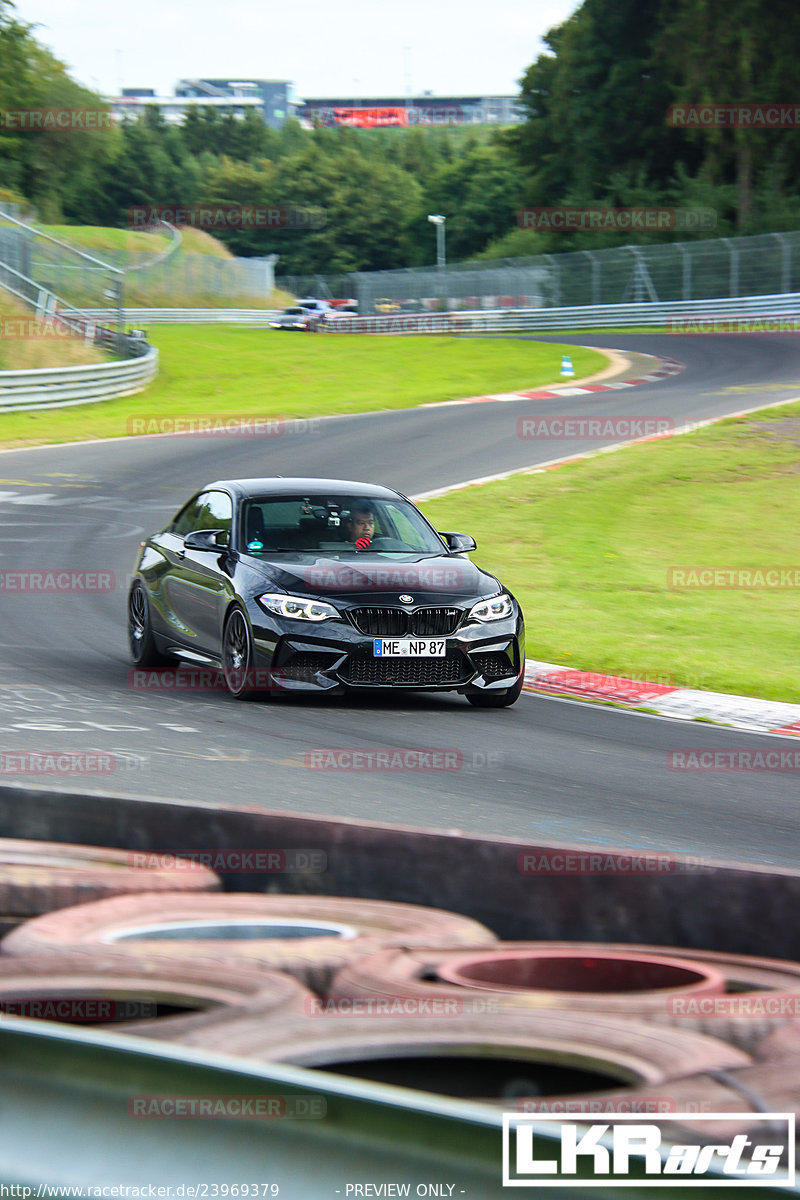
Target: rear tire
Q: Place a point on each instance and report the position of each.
(498, 699)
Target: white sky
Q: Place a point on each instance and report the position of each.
(339, 48)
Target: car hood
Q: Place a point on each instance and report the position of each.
(372, 579)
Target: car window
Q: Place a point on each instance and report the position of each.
(403, 527)
(319, 522)
(186, 520)
(216, 513)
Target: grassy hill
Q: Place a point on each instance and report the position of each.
(93, 238)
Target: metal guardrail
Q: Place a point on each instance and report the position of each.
(85, 1093)
(674, 314)
(496, 320)
(55, 387)
(188, 316)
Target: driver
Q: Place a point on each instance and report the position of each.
(360, 525)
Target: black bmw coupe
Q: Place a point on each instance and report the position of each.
(323, 585)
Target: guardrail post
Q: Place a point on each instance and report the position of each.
(595, 275)
(556, 269)
(733, 283)
(686, 271)
(786, 262)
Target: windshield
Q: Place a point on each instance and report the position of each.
(335, 523)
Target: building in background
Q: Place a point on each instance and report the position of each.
(426, 109)
(273, 99)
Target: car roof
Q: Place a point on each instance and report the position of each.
(279, 484)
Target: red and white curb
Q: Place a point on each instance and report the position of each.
(664, 368)
(689, 704)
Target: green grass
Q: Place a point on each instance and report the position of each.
(231, 372)
(587, 550)
(101, 237)
(97, 237)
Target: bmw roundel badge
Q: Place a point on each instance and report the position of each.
(406, 599)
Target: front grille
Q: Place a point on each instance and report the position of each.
(382, 622)
(396, 622)
(411, 672)
(494, 664)
(435, 622)
(304, 666)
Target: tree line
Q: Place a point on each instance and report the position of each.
(596, 132)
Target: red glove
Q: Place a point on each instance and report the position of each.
(363, 543)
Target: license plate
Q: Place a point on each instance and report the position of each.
(409, 647)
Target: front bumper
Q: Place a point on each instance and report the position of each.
(335, 657)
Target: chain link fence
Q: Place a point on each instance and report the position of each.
(716, 268)
(160, 274)
(182, 279)
(768, 264)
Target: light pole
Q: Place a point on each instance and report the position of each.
(439, 221)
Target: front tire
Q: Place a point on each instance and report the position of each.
(238, 655)
(498, 699)
(141, 641)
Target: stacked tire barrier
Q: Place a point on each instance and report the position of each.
(37, 877)
(308, 937)
(395, 993)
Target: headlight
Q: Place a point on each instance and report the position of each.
(493, 609)
(298, 608)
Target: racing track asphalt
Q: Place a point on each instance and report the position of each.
(546, 769)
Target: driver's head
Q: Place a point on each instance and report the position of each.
(360, 523)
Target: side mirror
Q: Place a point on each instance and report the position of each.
(459, 543)
(206, 539)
